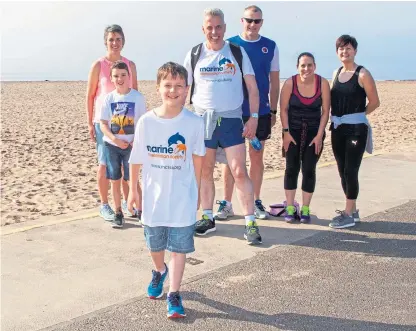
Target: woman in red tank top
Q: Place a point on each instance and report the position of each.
(99, 85)
(304, 112)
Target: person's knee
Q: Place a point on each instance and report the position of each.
(101, 171)
(208, 170)
(256, 159)
(239, 172)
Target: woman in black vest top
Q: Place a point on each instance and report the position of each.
(304, 112)
(351, 85)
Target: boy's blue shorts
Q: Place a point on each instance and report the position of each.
(173, 239)
(116, 158)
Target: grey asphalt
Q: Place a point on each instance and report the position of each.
(358, 279)
(78, 270)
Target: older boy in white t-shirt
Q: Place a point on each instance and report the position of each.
(169, 146)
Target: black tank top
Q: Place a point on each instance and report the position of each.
(303, 109)
(349, 97)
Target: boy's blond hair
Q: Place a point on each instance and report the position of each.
(173, 69)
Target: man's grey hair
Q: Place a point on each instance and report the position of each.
(253, 8)
(214, 12)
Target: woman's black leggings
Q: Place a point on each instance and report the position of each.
(348, 144)
(298, 154)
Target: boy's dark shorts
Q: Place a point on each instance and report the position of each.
(116, 158)
(264, 126)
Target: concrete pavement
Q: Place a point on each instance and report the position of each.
(66, 270)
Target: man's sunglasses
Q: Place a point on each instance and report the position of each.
(250, 20)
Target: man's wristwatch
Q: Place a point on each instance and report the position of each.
(285, 130)
(255, 115)
(274, 112)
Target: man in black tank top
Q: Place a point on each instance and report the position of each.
(351, 133)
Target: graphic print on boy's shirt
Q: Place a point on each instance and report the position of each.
(122, 118)
(174, 149)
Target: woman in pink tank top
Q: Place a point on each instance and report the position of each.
(99, 85)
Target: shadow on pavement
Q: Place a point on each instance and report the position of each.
(285, 321)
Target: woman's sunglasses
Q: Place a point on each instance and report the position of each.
(250, 20)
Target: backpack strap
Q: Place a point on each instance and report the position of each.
(238, 55)
(195, 54)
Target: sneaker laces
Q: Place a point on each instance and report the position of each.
(174, 299)
(108, 209)
(156, 278)
(259, 205)
(204, 221)
(252, 228)
(222, 204)
(340, 214)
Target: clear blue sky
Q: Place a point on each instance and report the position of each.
(60, 40)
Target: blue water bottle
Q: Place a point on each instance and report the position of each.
(255, 142)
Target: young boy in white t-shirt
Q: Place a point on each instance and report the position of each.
(121, 111)
(168, 146)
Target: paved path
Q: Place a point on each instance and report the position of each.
(63, 271)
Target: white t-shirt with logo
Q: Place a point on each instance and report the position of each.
(165, 147)
(122, 111)
(218, 80)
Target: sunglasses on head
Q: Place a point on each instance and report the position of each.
(250, 20)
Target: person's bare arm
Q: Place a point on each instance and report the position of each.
(370, 88)
(134, 196)
(254, 100)
(198, 171)
(92, 85)
(134, 75)
(326, 104)
(274, 93)
(107, 132)
(284, 116)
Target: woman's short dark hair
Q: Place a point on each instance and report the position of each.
(346, 39)
(305, 54)
(115, 29)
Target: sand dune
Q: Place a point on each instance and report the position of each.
(48, 163)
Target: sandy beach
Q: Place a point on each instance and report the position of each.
(48, 163)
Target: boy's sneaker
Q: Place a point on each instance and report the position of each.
(106, 212)
(155, 288)
(205, 226)
(175, 307)
(259, 210)
(290, 214)
(356, 216)
(118, 221)
(139, 217)
(252, 234)
(126, 211)
(342, 221)
(224, 211)
(305, 215)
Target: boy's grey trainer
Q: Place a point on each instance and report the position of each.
(107, 213)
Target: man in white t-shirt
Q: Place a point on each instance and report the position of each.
(221, 74)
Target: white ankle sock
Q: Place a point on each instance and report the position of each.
(208, 212)
(228, 203)
(249, 218)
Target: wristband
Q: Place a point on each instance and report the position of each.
(274, 112)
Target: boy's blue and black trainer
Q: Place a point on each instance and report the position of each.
(175, 307)
(155, 288)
